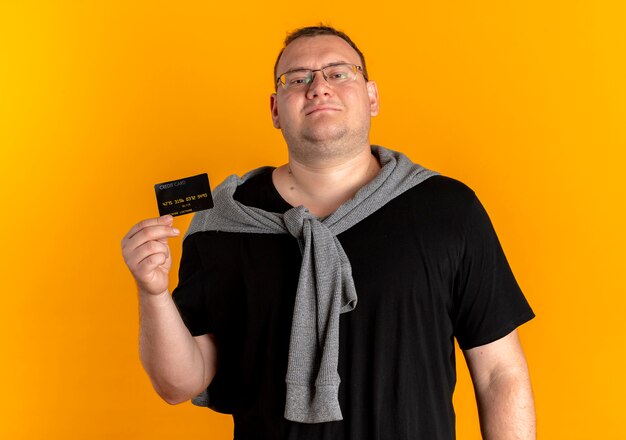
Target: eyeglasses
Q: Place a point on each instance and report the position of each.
(335, 75)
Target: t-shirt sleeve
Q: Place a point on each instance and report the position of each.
(489, 303)
(191, 296)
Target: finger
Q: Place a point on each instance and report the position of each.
(150, 263)
(166, 220)
(163, 220)
(150, 233)
(151, 247)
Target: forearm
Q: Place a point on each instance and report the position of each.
(506, 407)
(169, 353)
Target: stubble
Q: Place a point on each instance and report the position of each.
(327, 144)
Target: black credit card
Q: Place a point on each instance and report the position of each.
(183, 196)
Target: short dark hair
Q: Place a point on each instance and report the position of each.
(314, 31)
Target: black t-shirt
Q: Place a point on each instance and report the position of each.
(427, 268)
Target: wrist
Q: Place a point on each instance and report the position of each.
(152, 298)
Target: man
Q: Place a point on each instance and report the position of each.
(320, 299)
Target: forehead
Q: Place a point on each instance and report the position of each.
(313, 52)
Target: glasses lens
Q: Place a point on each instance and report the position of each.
(296, 78)
(339, 73)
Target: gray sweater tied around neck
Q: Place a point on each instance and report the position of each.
(325, 286)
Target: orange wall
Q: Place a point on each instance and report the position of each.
(523, 101)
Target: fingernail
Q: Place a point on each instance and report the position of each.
(176, 231)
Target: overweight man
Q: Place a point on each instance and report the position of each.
(321, 299)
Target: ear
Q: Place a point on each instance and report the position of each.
(372, 92)
(274, 110)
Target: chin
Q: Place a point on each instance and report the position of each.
(324, 150)
(325, 135)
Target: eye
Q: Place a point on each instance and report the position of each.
(338, 73)
(294, 79)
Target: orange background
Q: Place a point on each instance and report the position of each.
(525, 102)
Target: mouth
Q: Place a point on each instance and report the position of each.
(320, 109)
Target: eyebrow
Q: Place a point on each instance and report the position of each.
(296, 69)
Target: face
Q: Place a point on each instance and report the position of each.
(320, 119)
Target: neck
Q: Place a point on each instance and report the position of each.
(324, 186)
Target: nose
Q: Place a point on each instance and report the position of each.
(318, 86)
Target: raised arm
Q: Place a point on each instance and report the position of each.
(503, 392)
(179, 365)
